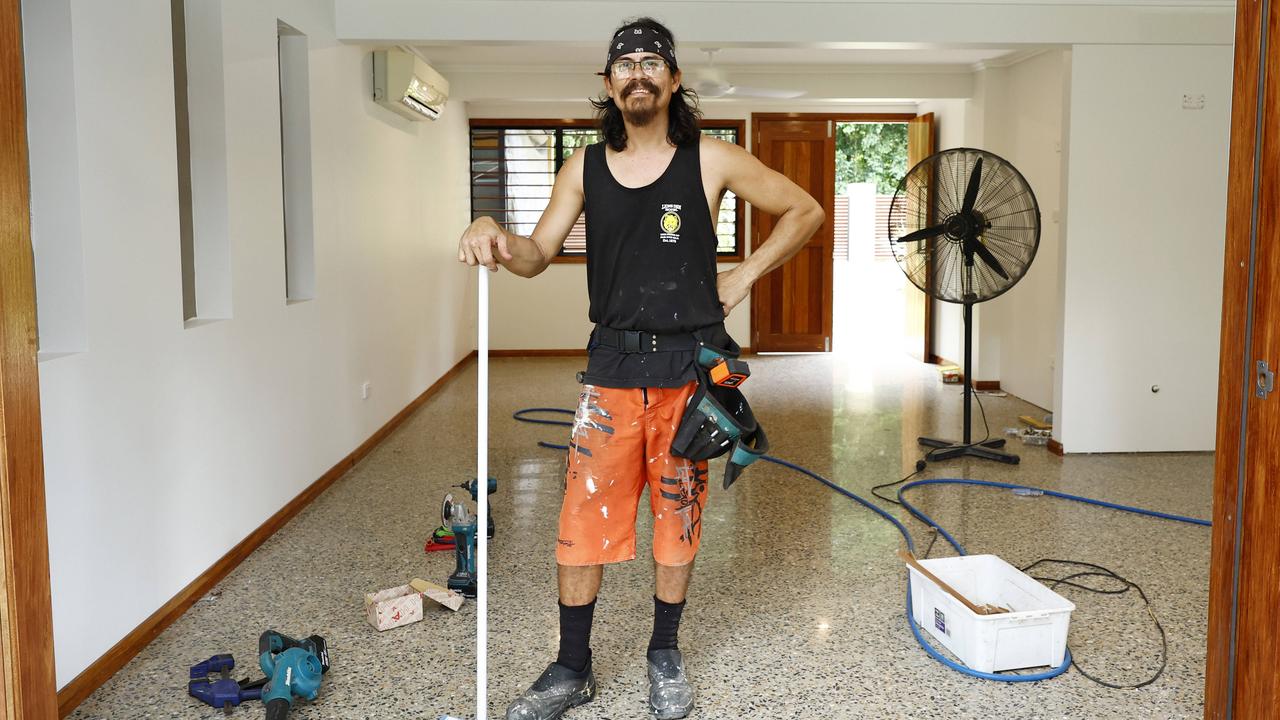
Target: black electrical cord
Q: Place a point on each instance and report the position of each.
(1103, 572)
(920, 466)
(985, 427)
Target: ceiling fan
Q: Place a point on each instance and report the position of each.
(711, 82)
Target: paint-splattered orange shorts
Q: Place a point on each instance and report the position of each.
(621, 441)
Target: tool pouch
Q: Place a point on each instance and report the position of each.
(718, 420)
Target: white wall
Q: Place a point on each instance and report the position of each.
(550, 311)
(952, 121)
(1023, 124)
(1143, 251)
(166, 446)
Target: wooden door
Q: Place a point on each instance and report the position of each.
(791, 306)
(27, 688)
(918, 318)
(1241, 679)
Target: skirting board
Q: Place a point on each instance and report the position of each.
(1055, 447)
(566, 352)
(109, 664)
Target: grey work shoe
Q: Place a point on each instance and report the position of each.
(670, 696)
(556, 690)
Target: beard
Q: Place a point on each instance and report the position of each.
(643, 111)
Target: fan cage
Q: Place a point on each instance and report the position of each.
(1006, 201)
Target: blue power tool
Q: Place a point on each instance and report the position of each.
(293, 668)
(221, 692)
(463, 523)
(475, 496)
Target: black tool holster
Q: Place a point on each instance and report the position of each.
(718, 419)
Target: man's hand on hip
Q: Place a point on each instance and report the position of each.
(732, 286)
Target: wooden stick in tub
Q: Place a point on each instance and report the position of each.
(910, 559)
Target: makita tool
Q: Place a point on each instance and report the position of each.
(463, 523)
(294, 668)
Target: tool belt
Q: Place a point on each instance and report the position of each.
(639, 341)
(718, 419)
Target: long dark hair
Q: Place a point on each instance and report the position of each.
(683, 115)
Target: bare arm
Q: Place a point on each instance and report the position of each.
(799, 216)
(528, 256)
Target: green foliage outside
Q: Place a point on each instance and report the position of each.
(871, 152)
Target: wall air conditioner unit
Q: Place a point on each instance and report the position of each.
(406, 84)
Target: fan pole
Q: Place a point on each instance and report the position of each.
(987, 449)
(968, 376)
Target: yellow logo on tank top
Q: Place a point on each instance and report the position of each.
(670, 223)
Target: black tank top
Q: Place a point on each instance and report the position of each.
(651, 265)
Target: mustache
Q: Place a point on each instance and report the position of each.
(639, 85)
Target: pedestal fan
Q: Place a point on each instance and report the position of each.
(964, 226)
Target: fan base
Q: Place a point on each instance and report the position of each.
(950, 449)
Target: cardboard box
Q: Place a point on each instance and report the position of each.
(443, 595)
(393, 607)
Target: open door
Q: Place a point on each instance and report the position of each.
(1243, 651)
(791, 306)
(918, 317)
(27, 687)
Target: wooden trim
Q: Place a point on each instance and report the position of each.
(539, 352)
(101, 670)
(987, 385)
(531, 122)
(28, 685)
(569, 260)
(837, 116)
(1219, 695)
(1055, 447)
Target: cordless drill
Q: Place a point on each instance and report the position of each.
(475, 496)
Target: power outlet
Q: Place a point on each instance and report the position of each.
(364, 390)
(1193, 102)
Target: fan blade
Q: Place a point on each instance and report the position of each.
(741, 91)
(924, 234)
(971, 192)
(987, 257)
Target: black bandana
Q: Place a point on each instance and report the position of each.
(641, 39)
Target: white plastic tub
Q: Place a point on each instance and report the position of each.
(1032, 634)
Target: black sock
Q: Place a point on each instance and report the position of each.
(666, 624)
(575, 635)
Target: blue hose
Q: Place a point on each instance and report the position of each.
(906, 535)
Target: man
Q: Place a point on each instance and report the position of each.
(651, 192)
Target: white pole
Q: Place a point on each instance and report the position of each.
(482, 496)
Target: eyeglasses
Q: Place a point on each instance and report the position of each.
(650, 67)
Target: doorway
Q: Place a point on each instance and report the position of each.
(793, 307)
(868, 313)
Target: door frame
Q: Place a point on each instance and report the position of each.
(1242, 252)
(28, 684)
(829, 197)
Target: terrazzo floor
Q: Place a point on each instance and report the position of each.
(796, 606)
(797, 601)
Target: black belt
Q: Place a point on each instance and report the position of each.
(639, 341)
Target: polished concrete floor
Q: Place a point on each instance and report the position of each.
(797, 603)
(796, 608)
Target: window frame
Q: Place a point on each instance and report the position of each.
(739, 126)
